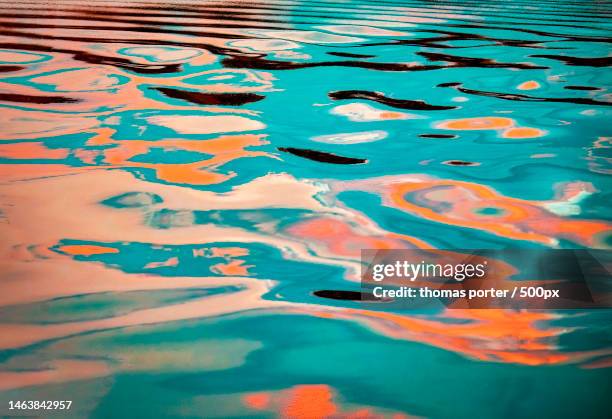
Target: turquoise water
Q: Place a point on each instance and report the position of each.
(179, 179)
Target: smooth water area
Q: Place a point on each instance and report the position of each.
(178, 179)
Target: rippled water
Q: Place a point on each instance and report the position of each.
(178, 178)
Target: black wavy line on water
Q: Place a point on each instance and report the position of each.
(459, 163)
(350, 55)
(418, 105)
(236, 59)
(477, 62)
(346, 295)
(199, 98)
(525, 98)
(321, 156)
(260, 63)
(10, 68)
(442, 42)
(438, 136)
(450, 36)
(42, 100)
(582, 88)
(579, 61)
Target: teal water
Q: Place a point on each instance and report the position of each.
(179, 179)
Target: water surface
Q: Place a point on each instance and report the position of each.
(183, 183)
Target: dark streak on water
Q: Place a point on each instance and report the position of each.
(580, 61)
(321, 156)
(10, 68)
(14, 97)
(439, 136)
(457, 61)
(526, 98)
(350, 55)
(418, 105)
(199, 98)
(347, 295)
(260, 63)
(459, 163)
(582, 88)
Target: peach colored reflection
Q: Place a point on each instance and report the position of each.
(16, 172)
(31, 150)
(265, 45)
(170, 262)
(485, 123)
(14, 57)
(361, 112)
(507, 126)
(19, 124)
(81, 79)
(342, 239)
(58, 371)
(523, 132)
(168, 54)
(24, 254)
(199, 124)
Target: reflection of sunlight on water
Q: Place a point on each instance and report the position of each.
(143, 182)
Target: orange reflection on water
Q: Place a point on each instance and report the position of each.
(480, 207)
(309, 401)
(223, 150)
(87, 250)
(232, 268)
(529, 85)
(523, 132)
(493, 335)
